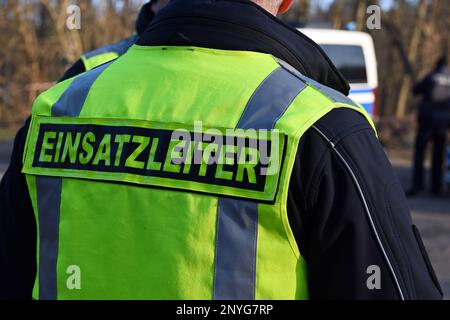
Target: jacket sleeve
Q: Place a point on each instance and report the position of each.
(17, 229)
(351, 218)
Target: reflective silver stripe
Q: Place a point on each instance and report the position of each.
(48, 201)
(329, 92)
(48, 190)
(237, 220)
(72, 100)
(366, 207)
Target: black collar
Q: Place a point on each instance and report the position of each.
(240, 25)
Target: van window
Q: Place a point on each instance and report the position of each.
(349, 60)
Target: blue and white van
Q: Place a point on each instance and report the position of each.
(353, 53)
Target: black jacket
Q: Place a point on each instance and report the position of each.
(346, 206)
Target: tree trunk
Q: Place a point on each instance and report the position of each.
(336, 15)
(302, 12)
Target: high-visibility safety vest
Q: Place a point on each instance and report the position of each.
(106, 54)
(123, 208)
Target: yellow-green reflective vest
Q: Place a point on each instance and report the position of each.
(106, 54)
(119, 218)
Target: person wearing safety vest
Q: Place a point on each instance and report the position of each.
(99, 56)
(219, 158)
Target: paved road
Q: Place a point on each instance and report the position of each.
(430, 214)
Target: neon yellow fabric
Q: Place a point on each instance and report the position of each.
(134, 242)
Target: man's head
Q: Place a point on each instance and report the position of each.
(275, 6)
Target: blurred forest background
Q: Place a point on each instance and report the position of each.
(36, 47)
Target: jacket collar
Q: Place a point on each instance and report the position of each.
(250, 28)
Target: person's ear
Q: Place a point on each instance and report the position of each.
(285, 6)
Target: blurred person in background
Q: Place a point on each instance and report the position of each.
(336, 225)
(97, 57)
(433, 123)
